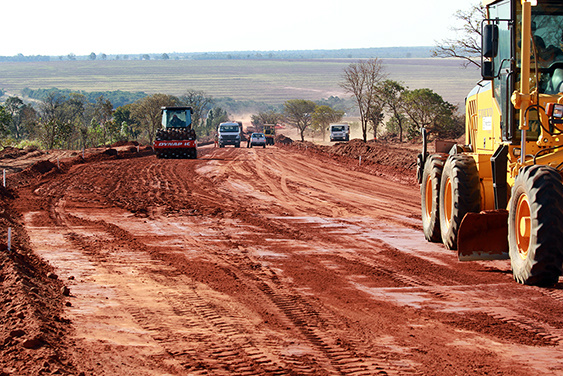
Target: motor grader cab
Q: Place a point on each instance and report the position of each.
(501, 194)
(176, 138)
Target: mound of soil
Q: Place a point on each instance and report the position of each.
(392, 161)
(12, 153)
(281, 139)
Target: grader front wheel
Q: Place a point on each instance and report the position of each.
(459, 195)
(535, 226)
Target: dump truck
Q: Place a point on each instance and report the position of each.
(270, 133)
(176, 138)
(500, 195)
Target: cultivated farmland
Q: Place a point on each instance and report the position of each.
(270, 81)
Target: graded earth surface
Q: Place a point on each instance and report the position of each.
(288, 260)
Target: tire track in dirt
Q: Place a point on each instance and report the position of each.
(458, 294)
(335, 187)
(316, 325)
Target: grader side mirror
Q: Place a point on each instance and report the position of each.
(487, 70)
(489, 43)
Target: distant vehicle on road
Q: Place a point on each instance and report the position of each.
(229, 133)
(339, 132)
(257, 139)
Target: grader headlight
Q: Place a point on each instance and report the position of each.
(554, 111)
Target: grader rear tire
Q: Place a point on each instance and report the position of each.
(459, 195)
(535, 226)
(430, 196)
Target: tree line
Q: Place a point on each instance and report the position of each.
(344, 53)
(72, 121)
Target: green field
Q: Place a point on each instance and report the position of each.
(270, 81)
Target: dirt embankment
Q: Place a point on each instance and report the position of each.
(396, 162)
(33, 328)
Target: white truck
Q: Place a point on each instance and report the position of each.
(229, 133)
(339, 132)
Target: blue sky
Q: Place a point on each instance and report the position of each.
(60, 27)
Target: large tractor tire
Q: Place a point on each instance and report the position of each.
(535, 226)
(459, 195)
(430, 195)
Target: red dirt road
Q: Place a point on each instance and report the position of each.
(273, 261)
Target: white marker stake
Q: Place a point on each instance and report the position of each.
(360, 160)
(4, 178)
(9, 238)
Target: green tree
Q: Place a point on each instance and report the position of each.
(299, 114)
(215, 116)
(323, 116)
(54, 124)
(92, 56)
(147, 111)
(5, 120)
(427, 109)
(375, 116)
(129, 126)
(391, 93)
(15, 106)
(362, 79)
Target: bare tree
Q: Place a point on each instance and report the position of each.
(362, 80)
(467, 44)
(200, 102)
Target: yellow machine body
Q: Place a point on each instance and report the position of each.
(509, 169)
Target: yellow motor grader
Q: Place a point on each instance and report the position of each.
(501, 195)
